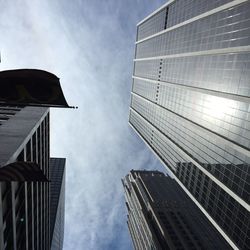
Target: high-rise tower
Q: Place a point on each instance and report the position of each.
(190, 104)
(25, 205)
(161, 215)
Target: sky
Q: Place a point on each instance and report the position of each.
(89, 45)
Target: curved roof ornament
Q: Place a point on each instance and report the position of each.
(31, 87)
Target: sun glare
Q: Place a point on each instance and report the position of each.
(217, 107)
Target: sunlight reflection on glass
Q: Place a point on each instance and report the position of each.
(217, 107)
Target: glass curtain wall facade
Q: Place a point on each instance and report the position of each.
(24, 206)
(190, 103)
(162, 216)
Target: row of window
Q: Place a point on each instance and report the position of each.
(209, 196)
(177, 12)
(199, 145)
(229, 214)
(225, 117)
(153, 25)
(227, 73)
(225, 29)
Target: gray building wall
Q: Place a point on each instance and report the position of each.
(24, 206)
(190, 104)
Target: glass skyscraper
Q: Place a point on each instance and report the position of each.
(190, 104)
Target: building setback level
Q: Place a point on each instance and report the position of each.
(190, 103)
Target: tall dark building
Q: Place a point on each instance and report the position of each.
(57, 202)
(162, 216)
(190, 104)
(25, 205)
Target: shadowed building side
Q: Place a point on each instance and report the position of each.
(57, 202)
(162, 216)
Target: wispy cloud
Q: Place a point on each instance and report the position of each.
(90, 46)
